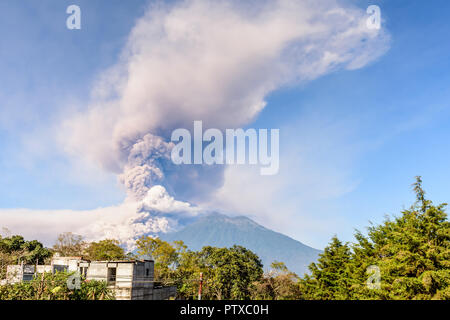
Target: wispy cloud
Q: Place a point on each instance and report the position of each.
(157, 212)
(214, 61)
(208, 60)
(317, 158)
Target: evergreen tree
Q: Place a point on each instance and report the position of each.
(411, 252)
(330, 276)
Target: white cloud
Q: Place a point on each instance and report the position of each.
(158, 199)
(124, 222)
(316, 161)
(214, 61)
(209, 60)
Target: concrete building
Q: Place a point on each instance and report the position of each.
(130, 280)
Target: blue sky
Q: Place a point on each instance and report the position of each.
(400, 107)
(392, 115)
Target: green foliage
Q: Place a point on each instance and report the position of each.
(187, 274)
(412, 253)
(174, 264)
(16, 249)
(330, 276)
(27, 251)
(54, 287)
(105, 250)
(278, 284)
(230, 272)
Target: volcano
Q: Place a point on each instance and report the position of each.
(219, 230)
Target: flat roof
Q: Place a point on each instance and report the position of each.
(121, 261)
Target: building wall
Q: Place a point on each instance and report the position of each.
(18, 273)
(43, 269)
(143, 278)
(164, 293)
(14, 273)
(130, 280)
(124, 281)
(66, 263)
(97, 271)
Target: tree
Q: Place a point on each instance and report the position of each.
(165, 255)
(105, 250)
(412, 253)
(330, 275)
(229, 272)
(277, 284)
(69, 244)
(19, 250)
(187, 274)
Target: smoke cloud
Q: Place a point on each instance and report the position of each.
(209, 60)
(214, 61)
(154, 214)
(145, 165)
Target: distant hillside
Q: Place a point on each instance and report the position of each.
(222, 231)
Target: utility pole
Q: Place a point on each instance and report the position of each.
(200, 287)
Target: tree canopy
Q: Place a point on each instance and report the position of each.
(108, 249)
(228, 273)
(18, 248)
(404, 257)
(411, 253)
(70, 244)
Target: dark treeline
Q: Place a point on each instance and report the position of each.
(405, 257)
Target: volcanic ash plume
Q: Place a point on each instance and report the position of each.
(145, 167)
(209, 60)
(158, 212)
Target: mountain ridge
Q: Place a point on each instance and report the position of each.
(219, 230)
